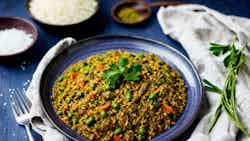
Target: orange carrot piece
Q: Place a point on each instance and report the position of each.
(74, 74)
(105, 106)
(168, 108)
(92, 95)
(97, 133)
(100, 67)
(82, 83)
(90, 113)
(116, 138)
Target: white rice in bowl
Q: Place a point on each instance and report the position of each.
(62, 12)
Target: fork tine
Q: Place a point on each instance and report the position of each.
(21, 103)
(17, 104)
(15, 109)
(24, 99)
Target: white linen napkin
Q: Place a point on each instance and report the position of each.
(195, 26)
(45, 129)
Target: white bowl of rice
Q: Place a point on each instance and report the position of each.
(62, 12)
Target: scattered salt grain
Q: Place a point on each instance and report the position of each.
(12, 91)
(13, 41)
(5, 103)
(23, 67)
(25, 85)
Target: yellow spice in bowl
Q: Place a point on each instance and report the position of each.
(129, 15)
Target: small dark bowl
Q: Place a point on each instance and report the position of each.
(146, 13)
(64, 30)
(22, 24)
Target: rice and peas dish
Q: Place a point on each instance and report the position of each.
(119, 96)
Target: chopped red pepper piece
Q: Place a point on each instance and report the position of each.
(74, 74)
(116, 138)
(168, 108)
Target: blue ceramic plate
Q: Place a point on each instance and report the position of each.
(102, 44)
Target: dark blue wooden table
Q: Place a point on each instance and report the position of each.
(16, 75)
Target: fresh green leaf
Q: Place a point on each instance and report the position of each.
(211, 87)
(112, 78)
(140, 55)
(227, 60)
(218, 45)
(113, 66)
(134, 72)
(121, 72)
(123, 62)
(218, 49)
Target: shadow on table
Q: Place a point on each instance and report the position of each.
(185, 136)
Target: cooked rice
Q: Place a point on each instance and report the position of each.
(139, 112)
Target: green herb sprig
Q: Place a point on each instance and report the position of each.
(233, 62)
(120, 72)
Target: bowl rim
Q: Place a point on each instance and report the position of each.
(27, 7)
(188, 61)
(34, 36)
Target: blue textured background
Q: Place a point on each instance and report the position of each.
(12, 75)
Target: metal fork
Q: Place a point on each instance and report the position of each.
(20, 106)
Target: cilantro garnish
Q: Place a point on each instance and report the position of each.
(117, 73)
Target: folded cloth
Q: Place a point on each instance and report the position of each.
(195, 26)
(38, 120)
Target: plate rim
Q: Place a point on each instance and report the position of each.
(98, 37)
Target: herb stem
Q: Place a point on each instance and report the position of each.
(233, 62)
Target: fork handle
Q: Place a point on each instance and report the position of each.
(27, 127)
